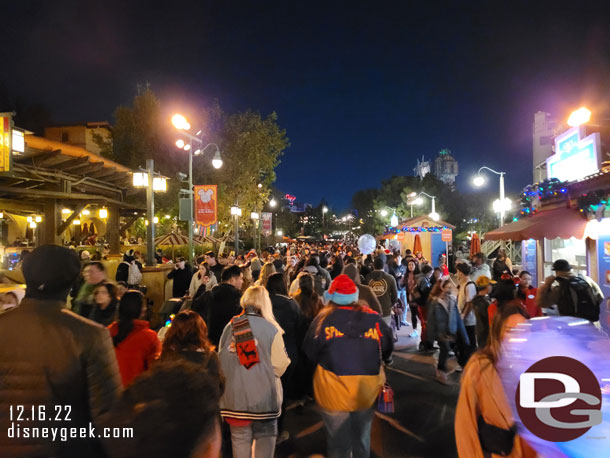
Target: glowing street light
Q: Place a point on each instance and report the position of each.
(384, 213)
(279, 233)
(503, 204)
(180, 122)
(103, 213)
(272, 202)
(433, 215)
(578, 117)
(217, 161)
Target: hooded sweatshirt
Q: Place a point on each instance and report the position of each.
(365, 293)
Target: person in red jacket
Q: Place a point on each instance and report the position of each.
(135, 344)
(527, 294)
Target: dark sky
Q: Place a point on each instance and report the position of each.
(362, 88)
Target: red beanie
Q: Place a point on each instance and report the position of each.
(342, 291)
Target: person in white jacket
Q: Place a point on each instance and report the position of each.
(202, 276)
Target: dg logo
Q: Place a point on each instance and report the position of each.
(559, 399)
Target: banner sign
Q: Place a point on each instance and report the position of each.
(267, 228)
(446, 235)
(206, 204)
(5, 142)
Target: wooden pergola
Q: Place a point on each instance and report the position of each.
(52, 175)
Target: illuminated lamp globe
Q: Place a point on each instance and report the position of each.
(384, 213)
(272, 203)
(394, 220)
(180, 122)
(103, 213)
(217, 161)
(578, 117)
(418, 201)
(478, 181)
(180, 143)
(434, 216)
(187, 147)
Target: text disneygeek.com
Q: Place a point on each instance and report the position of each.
(16, 431)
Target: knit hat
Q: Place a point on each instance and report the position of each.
(50, 272)
(342, 291)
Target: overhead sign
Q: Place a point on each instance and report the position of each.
(446, 235)
(576, 155)
(206, 204)
(5, 142)
(400, 236)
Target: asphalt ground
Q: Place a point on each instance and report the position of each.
(421, 426)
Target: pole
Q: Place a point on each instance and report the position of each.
(501, 199)
(191, 203)
(150, 214)
(236, 235)
(411, 211)
(433, 205)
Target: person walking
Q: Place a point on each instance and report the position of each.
(288, 314)
(467, 292)
(181, 274)
(484, 423)
(221, 303)
(253, 358)
(445, 324)
(129, 270)
(365, 293)
(94, 274)
(479, 267)
(346, 388)
(187, 339)
(419, 296)
(135, 344)
(106, 301)
(502, 265)
(480, 305)
(214, 265)
(384, 287)
(52, 357)
(571, 294)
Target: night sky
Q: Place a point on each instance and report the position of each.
(362, 88)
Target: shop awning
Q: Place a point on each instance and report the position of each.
(550, 224)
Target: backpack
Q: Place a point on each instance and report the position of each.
(134, 277)
(586, 304)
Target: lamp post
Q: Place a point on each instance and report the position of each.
(413, 199)
(146, 179)
(501, 205)
(393, 218)
(236, 212)
(183, 126)
(435, 216)
(255, 218)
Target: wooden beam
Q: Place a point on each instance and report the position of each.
(103, 173)
(71, 163)
(128, 224)
(66, 224)
(18, 205)
(85, 169)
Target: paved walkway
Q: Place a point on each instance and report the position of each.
(422, 425)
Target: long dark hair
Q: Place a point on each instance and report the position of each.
(276, 285)
(188, 331)
(337, 266)
(130, 308)
(308, 299)
(498, 326)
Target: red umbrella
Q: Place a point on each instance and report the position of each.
(475, 244)
(417, 244)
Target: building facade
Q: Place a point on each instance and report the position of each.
(80, 134)
(543, 133)
(444, 167)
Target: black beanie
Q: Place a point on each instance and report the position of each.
(50, 272)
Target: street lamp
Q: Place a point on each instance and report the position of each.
(272, 202)
(142, 179)
(435, 216)
(324, 212)
(503, 204)
(413, 199)
(255, 217)
(236, 212)
(181, 123)
(578, 117)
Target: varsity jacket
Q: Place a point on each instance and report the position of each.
(345, 346)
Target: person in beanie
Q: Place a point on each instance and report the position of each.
(53, 357)
(182, 275)
(346, 388)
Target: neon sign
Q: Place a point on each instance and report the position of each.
(576, 155)
(290, 198)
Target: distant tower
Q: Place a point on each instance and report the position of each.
(543, 134)
(422, 168)
(446, 167)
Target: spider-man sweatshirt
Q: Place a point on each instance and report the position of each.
(345, 344)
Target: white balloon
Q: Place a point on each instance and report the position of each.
(367, 244)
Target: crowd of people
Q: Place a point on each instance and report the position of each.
(309, 323)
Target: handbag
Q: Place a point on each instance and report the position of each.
(385, 398)
(494, 439)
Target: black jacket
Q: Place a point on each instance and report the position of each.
(50, 356)
(288, 314)
(217, 307)
(182, 280)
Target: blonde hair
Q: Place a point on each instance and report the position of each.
(267, 270)
(258, 297)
